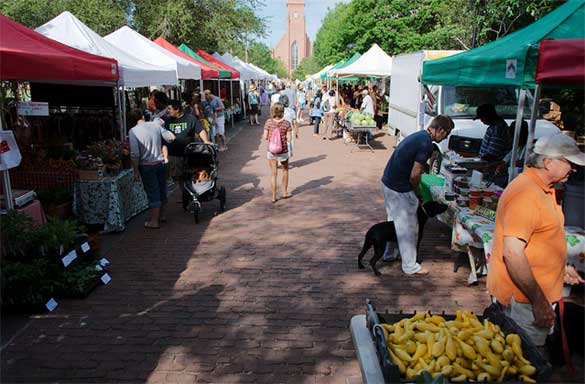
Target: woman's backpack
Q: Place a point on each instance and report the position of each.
(275, 142)
(326, 106)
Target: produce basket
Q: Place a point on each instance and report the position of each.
(493, 313)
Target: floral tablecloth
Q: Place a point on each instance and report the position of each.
(474, 230)
(111, 201)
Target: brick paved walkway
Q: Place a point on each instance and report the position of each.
(262, 293)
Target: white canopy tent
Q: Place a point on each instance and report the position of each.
(267, 76)
(245, 73)
(133, 42)
(257, 75)
(374, 63)
(134, 72)
(317, 75)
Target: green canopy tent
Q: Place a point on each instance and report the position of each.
(223, 74)
(510, 60)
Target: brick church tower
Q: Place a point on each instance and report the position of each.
(295, 45)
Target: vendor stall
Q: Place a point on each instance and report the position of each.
(473, 226)
(109, 201)
(508, 61)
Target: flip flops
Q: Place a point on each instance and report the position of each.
(149, 225)
(287, 196)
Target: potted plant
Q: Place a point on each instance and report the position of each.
(56, 202)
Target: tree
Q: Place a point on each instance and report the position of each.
(401, 26)
(213, 25)
(102, 16)
(307, 66)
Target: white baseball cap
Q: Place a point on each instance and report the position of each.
(560, 145)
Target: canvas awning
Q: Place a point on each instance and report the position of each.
(207, 72)
(245, 73)
(133, 42)
(561, 62)
(223, 74)
(218, 63)
(318, 74)
(332, 73)
(373, 63)
(28, 55)
(510, 60)
(134, 72)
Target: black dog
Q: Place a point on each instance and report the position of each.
(379, 234)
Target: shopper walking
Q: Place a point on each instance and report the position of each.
(147, 162)
(301, 103)
(277, 122)
(253, 101)
(400, 186)
(290, 116)
(219, 118)
(528, 262)
(316, 113)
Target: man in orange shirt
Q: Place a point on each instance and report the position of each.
(528, 265)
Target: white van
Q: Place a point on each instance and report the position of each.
(413, 105)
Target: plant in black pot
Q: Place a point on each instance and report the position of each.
(57, 202)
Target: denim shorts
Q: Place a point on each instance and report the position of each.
(155, 184)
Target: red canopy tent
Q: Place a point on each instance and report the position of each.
(207, 72)
(218, 63)
(28, 55)
(561, 62)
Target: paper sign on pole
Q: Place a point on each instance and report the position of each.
(9, 152)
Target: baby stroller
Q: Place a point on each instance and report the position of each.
(200, 178)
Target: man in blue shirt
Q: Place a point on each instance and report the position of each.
(497, 141)
(400, 186)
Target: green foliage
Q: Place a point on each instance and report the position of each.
(307, 66)
(102, 16)
(213, 25)
(401, 26)
(31, 270)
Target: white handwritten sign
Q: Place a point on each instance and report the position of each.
(33, 108)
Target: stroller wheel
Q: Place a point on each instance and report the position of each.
(186, 199)
(221, 198)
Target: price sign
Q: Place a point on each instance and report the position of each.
(486, 213)
(51, 305)
(85, 247)
(69, 258)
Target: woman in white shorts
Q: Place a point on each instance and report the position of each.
(277, 122)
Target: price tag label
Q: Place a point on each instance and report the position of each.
(85, 247)
(486, 213)
(104, 262)
(69, 258)
(106, 278)
(51, 305)
(98, 268)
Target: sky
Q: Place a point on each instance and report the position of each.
(275, 13)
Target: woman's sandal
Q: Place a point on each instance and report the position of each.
(288, 195)
(149, 225)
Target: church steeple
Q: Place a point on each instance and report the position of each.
(294, 46)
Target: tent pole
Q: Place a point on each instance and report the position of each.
(517, 129)
(243, 100)
(532, 125)
(125, 130)
(201, 89)
(232, 100)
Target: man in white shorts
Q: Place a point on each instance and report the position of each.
(219, 123)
